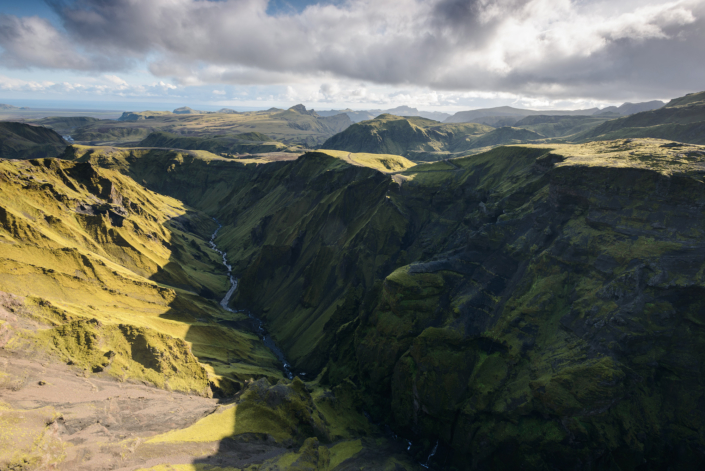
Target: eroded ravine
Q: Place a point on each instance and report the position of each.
(258, 323)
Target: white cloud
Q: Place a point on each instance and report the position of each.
(114, 79)
(546, 49)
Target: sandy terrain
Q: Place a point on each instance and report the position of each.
(58, 416)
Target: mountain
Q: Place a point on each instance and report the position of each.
(142, 115)
(508, 112)
(109, 293)
(295, 126)
(302, 110)
(560, 126)
(65, 125)
(364, 115)
(534, 306)
(22, 141)
(682, 119)
(689, 99)
(246, 143)
(422, 139)
(552, 290)
(186, 110)
(509, 116)
(10, 107)
(632, 108)
(355, 115)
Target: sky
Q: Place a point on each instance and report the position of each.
(442, 55)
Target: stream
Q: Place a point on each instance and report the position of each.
(267, 339)
(260, 330)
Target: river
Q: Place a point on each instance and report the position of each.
(259, 324)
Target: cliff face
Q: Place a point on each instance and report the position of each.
(552, 309)
(536, 305)
(566, 330)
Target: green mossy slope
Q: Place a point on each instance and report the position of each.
(682, 119)
(419, 139)
(94, 245)
(561, 320)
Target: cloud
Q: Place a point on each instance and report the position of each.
(106, 85)
(35, 42)
(536, 48)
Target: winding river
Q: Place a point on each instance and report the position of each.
(259, 324)
(267, 339)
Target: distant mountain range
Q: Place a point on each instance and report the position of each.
(363, 115)
(10, 107)
(496, 117)
(509, 116)
(632, 108)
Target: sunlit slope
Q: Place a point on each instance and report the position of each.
(121, 264)
(82, 243)
(682, 119)
(381, 162)
(22, 141)
(421, 139)
(315, 201)
(199, 178)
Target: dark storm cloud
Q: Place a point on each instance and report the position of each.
(553, 48)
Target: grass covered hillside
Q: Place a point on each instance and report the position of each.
(107, 287)
(551, 290)
(383, 162)
(295, 126)
(419, 138)
(246, 143)
(65, 125)
(554, 298)
(22, 141)
(682, 119)
(104, 257)
(559, 126)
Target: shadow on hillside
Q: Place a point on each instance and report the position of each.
(224, 341)
(269, 398)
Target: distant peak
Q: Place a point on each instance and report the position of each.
(185, 110)
(302, 110)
